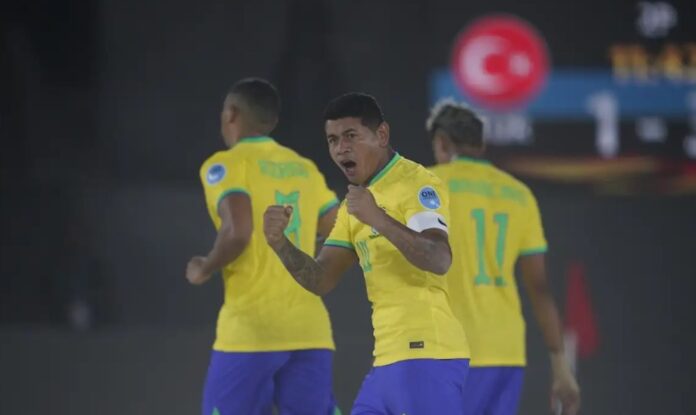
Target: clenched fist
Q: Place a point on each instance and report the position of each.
(361, 204)
(275, 220)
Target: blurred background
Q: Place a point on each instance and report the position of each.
(108, 108)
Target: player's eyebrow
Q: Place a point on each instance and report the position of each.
(350, 130)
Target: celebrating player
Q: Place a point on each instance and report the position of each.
(394, 223)
(274, 342)
(495, 222)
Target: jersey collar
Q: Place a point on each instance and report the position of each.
(256, 139)
(472, 160)
(385, 169)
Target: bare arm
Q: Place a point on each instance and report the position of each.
(232, 237)
(533, 270)
(318, 276)
(564, 386)
(428, 250)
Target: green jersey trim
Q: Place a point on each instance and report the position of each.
(385, 169)
(534, 251)
(326, 207)
(260, 139)
(472, 160)
(340, 244)
(231, 191)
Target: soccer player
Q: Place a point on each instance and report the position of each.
(495, 223)
(274, 343)
(393, 222)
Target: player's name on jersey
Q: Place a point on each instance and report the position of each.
(282, 170)
(488, 189)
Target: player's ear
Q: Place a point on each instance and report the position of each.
(442, 147)
(447, 144)
(233, 113)
(383, 134)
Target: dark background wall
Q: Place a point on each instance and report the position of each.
(109, 107)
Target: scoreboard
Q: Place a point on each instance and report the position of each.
(640, 102)
(615, 117)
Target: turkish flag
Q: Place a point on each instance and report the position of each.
(500, 61)
(579, 316)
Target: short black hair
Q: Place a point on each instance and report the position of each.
(260, 98)
(462, 125)
(358, 105)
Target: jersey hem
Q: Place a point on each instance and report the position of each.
(498, 363)
(281, 347)
(400, 358)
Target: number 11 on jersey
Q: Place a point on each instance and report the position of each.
(501, 220)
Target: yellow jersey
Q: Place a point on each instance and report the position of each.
(411, 315)
(264, 308)
(495, 219)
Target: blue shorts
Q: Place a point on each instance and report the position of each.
(414, 387)
(493, 390)
(296, 382)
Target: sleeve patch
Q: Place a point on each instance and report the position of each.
(427, 220)
(428, 198)
(216, 172)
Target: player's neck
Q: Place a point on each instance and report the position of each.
(468, 153)
(382, 164)
(248, 136)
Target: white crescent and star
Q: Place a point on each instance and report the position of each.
(473, 64)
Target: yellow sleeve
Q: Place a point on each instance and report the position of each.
(427, 205)
(221, 178)
(533, 240)
(327, 198)
(340, 234)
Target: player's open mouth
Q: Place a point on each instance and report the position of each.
(348, 167)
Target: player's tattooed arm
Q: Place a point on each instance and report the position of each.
(428, 250)
(318, 276)
(306, 271)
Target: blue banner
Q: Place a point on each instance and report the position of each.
(569, 95)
